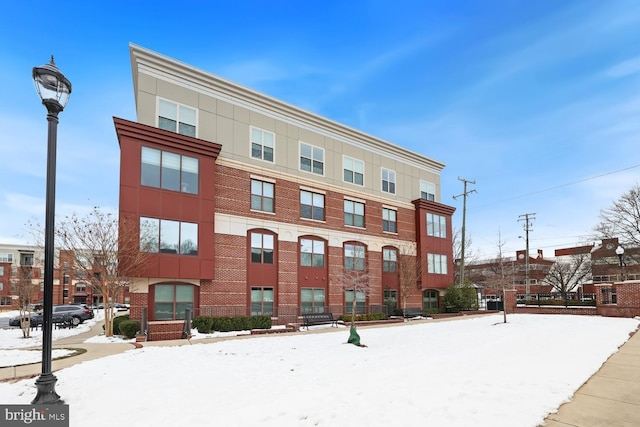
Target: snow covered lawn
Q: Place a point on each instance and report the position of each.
(465, 372)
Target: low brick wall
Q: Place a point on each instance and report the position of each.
(583, 311)
(170, 330)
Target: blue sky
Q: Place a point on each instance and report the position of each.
(537, 102)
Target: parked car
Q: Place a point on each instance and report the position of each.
(15, 321)
(78, 313)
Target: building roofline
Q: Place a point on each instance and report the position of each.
(200, 80)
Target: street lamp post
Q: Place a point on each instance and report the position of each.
(620, 253)
(54, 90)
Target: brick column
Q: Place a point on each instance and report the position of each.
(510, 300)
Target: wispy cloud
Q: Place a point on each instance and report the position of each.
(624, 68)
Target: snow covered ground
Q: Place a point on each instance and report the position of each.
(476, 371)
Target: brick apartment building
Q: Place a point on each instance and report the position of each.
(251, 206)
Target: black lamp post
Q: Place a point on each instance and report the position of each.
(54, 90)
(620, 253)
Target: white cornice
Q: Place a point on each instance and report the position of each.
(184, 75)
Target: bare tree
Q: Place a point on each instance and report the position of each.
(409, 273)
(106, 251)
(354, 278)
(502, 281)
(25, 287)
(469, 256)
(568, 273)
(622, 220)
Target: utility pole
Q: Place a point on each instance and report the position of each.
(464, 220)
(527, 218)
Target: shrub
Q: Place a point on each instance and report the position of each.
(260, 322)
(117, 321)
(204, 324)
(129, 328)
(240, 323)
(363, 317)
(222, 324)
(459, 298)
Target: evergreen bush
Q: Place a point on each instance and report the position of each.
(116, 323)
(204, 324)
(129, 328)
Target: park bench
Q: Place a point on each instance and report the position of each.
(412, 312)
(319, 319)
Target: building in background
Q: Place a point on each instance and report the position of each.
(254, 206)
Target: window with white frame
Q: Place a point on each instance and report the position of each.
(354, 257)
(312, 253)
(427, 190)
(262, 195)
(1, 270)
(176, 118)
(437, 263)
(170, 171)
(389, 221)
(167, 236)
(262, 144)
(436, 225)
(311, 205)
(311, 158)
(388, 181)
(262, 248)
(353, 170)
(353, 213)
(6, 257)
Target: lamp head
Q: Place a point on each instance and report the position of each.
(52, 86)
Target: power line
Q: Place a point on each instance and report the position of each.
(560, 186)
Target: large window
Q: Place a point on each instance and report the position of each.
(261, 301)
(437, 264)
(391, 300)
(427, 190)
(353, 171)
(166, 236)
(430, 299)
(171, 301)
(262, 247)
(1, 270)
(262, 195)
(176, 118)
(353, 213)
(354, 256)
(311, 159)
(6, 257)
(312, 253)
(389, 222)
(170, 171)
(389, 260)
(360, 298)
(436, 225)
(388, 181)
(5, 300)
(262, 144)
(311, 205)
(312, 300)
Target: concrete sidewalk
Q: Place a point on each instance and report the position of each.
(610, 398)
(92, 351)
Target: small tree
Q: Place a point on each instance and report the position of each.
(25, 287)
(107, 252)
(568, 273)
(409, 273)
(354, 277)
(460, 298)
